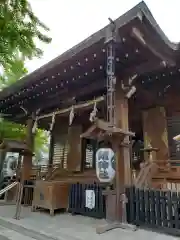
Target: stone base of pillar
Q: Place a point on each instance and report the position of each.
(114, 225)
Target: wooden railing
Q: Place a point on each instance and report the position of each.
(168, 176)
(144, 177)
(154, 209)
(43, 171)
(160, 174)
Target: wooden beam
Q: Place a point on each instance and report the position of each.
(98, 85)
(149, 66)
(138, 35)
(76, 107)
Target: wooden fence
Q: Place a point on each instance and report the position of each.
(28, 191)
(78, 201)
(153, 208)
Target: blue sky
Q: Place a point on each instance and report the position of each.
(70, 21)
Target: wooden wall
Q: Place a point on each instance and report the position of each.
(155, 131)
(67, 145)
(60, 146)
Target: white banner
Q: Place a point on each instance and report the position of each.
(90, 199)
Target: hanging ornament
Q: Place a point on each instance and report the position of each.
(71, 115)
(35, 126)
(35, 118)
(38, 111)
(52, 122)
(24, 110)
(93, 113)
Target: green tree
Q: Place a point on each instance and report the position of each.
(10, 130)
(13, 73)
(20, 30)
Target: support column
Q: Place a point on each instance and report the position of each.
(27, 160)
(74, 154)
(123, 154)
(51, 148)
(155, 131)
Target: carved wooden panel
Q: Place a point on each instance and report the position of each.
(60, 148)
(155, 131)
(60, 151)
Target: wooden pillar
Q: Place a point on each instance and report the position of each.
(27, 160)
(155, 131)
(123, 154)
(51, 148)
(74, 154)
(2, 159)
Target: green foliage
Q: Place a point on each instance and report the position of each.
(15, 71)
(9, 130)
(20, 30)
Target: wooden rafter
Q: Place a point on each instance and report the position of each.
(67, 94)
(87, 45)
(138, 35)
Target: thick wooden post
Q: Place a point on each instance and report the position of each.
(123, 167)
(51, 148)
(27, 160)
(2, 159)
(74, 154)
(155, 131)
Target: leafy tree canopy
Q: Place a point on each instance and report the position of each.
(20, 29)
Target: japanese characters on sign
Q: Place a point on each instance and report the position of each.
(105, 164)
(90, 199)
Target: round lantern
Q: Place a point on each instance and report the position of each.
(105, 164)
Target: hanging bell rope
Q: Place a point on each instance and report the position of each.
(71, 115)
(52, 122)
(93, 113)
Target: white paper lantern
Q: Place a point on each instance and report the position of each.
(105, 164)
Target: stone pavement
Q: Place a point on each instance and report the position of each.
(41, 226)
(7, 234)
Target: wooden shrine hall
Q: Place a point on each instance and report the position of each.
(123, 79)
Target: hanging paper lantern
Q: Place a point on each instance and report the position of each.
(105, 164)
